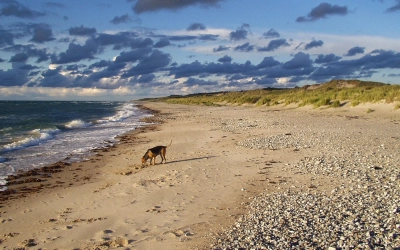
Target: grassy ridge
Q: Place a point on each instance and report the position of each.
(334, 93)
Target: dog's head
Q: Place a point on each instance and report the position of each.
(144, 158)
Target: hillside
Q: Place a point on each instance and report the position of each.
(334, 93)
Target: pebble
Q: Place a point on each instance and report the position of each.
(361, 212)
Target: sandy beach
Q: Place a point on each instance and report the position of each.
(218, 163)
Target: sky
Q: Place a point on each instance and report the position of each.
(120, 50)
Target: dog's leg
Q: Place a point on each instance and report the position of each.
(162, 153)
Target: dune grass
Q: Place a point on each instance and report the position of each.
(332, 94)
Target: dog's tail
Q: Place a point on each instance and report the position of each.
(170, 143)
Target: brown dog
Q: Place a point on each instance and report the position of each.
(153, 152)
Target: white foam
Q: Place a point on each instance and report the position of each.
(37, 136)
(77, 124)
(126, 111)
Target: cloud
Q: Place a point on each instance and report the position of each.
(395, 7)
(240, 33)
(133, 55)
(191, 81)
(271, 34)
(82, 31)
(20, 57)
(245, 47)
(355, 50)
(14, 77)
(221, 48)
(42, 33)
(77, 52)
(313, 44)
(54, 5)
(157, 60)
(154, 5)
(322, 11)
(225, 59)
(163, 42)
(30, 51)
(327, 58)
(300, 60)
(196, 26)
(6, 37)
(208, 37)
(125, 19)
(274, 45)
(13, 8)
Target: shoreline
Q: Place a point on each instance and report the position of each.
(209, 182)
(24, 182)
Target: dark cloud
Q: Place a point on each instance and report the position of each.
(245, 47)
(19, 57)
(146, 78)
(322, 11)
(157, 60)
(82, 31)
(300, 60)
(154, 5)
(77, 52)
(125, 19)
(162, 43)
(208, 37)
(379, 59)
(274, 45)
(395, 7)
(182, 38)
(14, 76)
(225, 59)
(240, 33)
(100, 64)
(42, 33)
(6, 37)
(195, 81)
(54, 5)
(133, 55)
(13, 8)
(313, 44)
(122, 40)
(364, 66)
(265, 81)
(28, 67)
(327, 58)
(196, 26)
(355, 50)
(30, 51)
(268, 62)
(271, 34)
(112, 70)
(221, 48)
(53, 78)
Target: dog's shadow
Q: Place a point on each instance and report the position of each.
(192, 159)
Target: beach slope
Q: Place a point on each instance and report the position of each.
(221, 163)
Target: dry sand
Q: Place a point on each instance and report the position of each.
(110, 201)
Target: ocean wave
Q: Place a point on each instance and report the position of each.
(35, 137)
(127, 110)
(77, 124)
(6, 129)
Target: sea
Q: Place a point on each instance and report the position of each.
(34, 134)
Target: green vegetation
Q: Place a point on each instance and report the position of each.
(331, 94)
